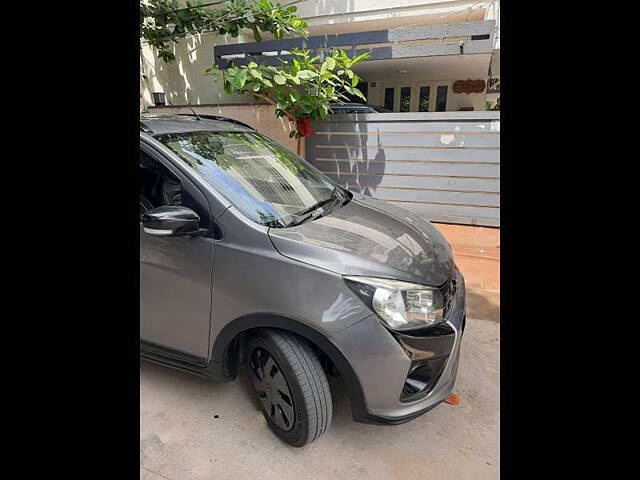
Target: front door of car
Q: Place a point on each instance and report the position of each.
(175, 272)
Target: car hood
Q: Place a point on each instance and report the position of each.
(373, 238)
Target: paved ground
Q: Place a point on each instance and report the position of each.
(477, 253)
(181, 438)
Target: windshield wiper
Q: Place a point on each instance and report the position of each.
(315, 211)
(314, 207)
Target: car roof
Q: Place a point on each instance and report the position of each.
(158, 124)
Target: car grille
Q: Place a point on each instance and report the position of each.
(448, 291)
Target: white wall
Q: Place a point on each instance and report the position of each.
(338, 16)
(183, 80)
(493, 13)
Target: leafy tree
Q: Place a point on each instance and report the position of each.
(165, 21)
(301, 89)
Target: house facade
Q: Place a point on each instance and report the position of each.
(425, 56)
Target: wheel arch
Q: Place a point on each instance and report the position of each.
(225, 351)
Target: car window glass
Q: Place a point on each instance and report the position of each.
(267, 183)
(161, 187)
(158, 187)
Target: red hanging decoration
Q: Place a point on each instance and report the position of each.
(304, 126)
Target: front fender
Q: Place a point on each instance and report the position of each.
(224, 356)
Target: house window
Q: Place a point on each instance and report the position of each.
(388, 98)
(423, 99)
(405, 99)
(159, 99)
(441, 98)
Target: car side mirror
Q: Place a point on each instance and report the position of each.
(172, 221)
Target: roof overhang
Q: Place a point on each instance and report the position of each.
(470, 38)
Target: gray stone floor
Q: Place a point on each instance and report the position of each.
(180, 437)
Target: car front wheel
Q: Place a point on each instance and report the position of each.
(291, 385)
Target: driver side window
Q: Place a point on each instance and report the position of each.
(158, 187)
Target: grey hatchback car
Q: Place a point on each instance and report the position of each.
(251, 256)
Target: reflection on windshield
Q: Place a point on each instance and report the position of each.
(268, 184)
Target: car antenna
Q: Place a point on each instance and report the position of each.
(194, 112)
(191, 108)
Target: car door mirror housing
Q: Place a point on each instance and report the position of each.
(171, 221)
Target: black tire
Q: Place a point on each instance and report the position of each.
(308, 388)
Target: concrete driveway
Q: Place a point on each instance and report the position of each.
(191, 428)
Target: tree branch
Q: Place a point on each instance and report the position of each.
(270, 100)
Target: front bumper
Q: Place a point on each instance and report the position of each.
(383, 362)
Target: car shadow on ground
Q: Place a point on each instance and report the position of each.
(184, 381)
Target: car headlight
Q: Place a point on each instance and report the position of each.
(400, 305)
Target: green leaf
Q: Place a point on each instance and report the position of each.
(252, 64)
(324, 111)
(307, 74)
(267, 83)
(279, 79)
(330, 62)
(359, 94)
(354, 80)
(295, 79)
(238, 81)
(359, 57)
(305, 100)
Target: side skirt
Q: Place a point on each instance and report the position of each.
(178, 360)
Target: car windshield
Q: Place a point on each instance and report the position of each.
(268, 184)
